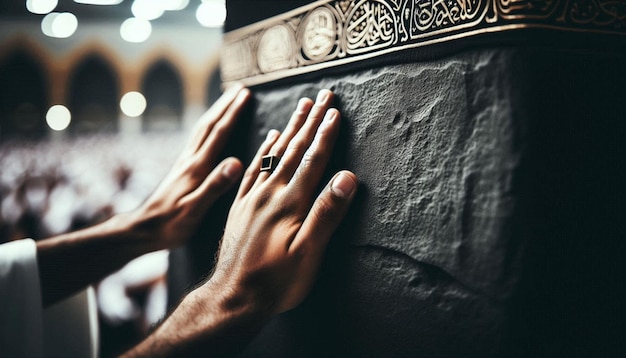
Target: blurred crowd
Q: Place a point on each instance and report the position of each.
(47, 188)
(52, 187)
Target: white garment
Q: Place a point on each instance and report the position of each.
(66, 329)
(70, 327)
(21, 325)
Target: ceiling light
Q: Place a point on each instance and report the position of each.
(41, 6)
(146, 9)
(98, 2)
(133, 104)
(59, 24)
(211, 13)
(135, 30)
(58, 117)
(46, 24)
(174, 5)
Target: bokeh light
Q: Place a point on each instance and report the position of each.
(133, 104)
(58, 117)
(136, 30)
(64, 25)
(46, 23)
(59, 24)
(211, 13)
(41, 6)
(98, 2)
(174, 5)
(147, 9)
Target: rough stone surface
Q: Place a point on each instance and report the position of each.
(433, 146)
(488, 179)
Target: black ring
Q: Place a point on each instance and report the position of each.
(268, 163)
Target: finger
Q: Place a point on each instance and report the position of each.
(313, 163)
(222, 178)
(252, 172)
(210, 117)
(302, 140)
(325, 215)
(297, 120)
(220, 132)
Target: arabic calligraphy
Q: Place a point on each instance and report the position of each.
(330, 32)
(370, 25)
(526, 8)
(599, 12)
(430, 15)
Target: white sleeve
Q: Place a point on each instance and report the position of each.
(20, 300)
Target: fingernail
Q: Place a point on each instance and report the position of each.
(330, 115)
(302, 103)
(343, 185)
(322, 96)
(272, 134)
(244, 92)
(230, 171)
(236, 87)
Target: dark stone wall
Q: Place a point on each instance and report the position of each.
(487, 179)
(488, 218)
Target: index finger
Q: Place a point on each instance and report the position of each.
(212, 116)
(218, 135)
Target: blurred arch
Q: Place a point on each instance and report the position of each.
(23, 95)
(193, 76)
(93, 96)
(94, 48)
(163, 88)
(24, 43)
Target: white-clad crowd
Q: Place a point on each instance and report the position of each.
(53, 187)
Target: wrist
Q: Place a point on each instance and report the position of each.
(234, 302)
(211, 318)
(136, 230)
(69, 262)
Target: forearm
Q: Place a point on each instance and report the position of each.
(70, 262)
(208, 322)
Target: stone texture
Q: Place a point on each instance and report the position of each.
(488, 183)
(433, 147)
(433, 144)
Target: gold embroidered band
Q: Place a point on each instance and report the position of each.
(328, 33)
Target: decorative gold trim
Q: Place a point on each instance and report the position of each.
(329, 33)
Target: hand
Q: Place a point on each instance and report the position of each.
(276, 233)
(71, 261)
(173, 211)
(273, 243)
